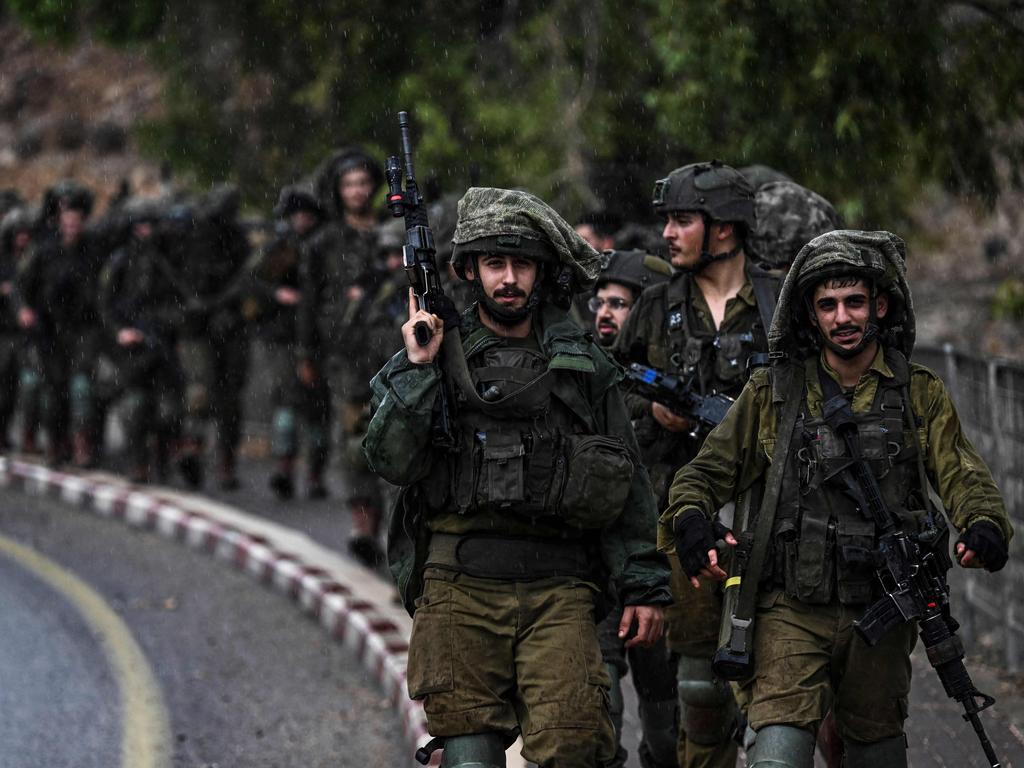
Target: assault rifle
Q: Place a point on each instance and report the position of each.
(418, 255)
(677, 395)
(912, 570)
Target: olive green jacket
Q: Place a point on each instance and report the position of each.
(739, 450)
(398, 446)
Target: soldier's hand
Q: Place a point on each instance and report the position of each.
(650, 623)
(673, 422)
(421, 355)
(307, 372)
(982, 546)
(289, 297)
(695, 538)
(26, 317)
(128, 337)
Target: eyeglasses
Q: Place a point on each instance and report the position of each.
(614, 302)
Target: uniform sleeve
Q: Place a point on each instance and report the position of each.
(960, 476)
(640, 574)
(733, 456)
(397, 445)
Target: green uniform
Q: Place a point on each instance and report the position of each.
(793, 684)
(493, 650)
(671, 328)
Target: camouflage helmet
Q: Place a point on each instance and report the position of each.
(788, 216)
(337, 164)
(877, 257)
(67, 195)
(138, 210)
(713, 189)
(634, 269)
(759, 175)
(514, 222)
(298, 197)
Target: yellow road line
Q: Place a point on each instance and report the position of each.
(145, 730)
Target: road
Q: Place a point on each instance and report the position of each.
(236, 673)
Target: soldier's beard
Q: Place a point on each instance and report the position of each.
(502, 314)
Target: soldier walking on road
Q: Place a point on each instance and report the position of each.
(15, 240)
(704, 325)
(277, 294)
(503, 544)
(843, 331)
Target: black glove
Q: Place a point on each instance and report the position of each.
(986, 539)
(695, 535)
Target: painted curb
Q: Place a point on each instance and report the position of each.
(379, 641)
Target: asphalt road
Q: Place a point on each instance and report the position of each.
(240, 676)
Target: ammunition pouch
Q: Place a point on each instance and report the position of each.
(509, 559)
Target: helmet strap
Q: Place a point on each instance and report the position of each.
(706, 257)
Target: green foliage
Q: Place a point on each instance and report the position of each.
(1008, 303)
(585, 103)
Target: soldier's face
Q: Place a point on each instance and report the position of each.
(684, 234)
(302, 221)
(355, 188)
(842, 309)
(507, 280)
(22, 239)
(613, 303)
(71, 223)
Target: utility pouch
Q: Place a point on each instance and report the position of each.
(855, 544)
(815, 560)
(502, 470)
(692, 354)
(730, 362)
(598, 480)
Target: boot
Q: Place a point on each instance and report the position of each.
(365, 527)
(316, 489)
(190, 462)
(226, 475)
(29, 443)
(84, 457)
(281, 482)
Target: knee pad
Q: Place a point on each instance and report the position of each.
(197, 399)
(707, 707)
(783, 746)
(284, 442)
(888, 752)
(480, 750)
(659, 722)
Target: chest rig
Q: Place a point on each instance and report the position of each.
(525, 449)
(716, 361)
(823, 540)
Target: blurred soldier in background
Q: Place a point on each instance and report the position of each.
(788, 217)
(623, 279)
(141, 307)
(56, 295)
(209, 256)
(15, 240)
(337, 280)
(274, 303)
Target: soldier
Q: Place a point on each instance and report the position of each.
(141, 308)
(56, 292)
(540, 503)
(704, 325)
(277, 293)
(15, 238)
(209, 255)
(338, 281)
(620, 284)
(844, 329)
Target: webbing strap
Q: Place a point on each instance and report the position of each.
(766, 294)
(772, 490)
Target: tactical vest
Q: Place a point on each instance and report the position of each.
(526, 452)
(717, 362)
(822, 540)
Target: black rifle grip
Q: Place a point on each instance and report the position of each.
(423, 333)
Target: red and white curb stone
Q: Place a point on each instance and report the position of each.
(373, 632)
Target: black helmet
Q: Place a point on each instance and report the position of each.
(713, 189)
(634, 269)
(67, 195)
(298, 197)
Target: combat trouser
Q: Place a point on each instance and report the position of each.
(707, 707)
(809, 660)
(67, 393)
(30, 398)
(488, 655)
(293, 404)
(10, 369)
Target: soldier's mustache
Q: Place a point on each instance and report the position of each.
(843, 329)
(509, 293)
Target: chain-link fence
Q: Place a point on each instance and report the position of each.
(989, 395)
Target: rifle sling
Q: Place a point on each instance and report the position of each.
(746, 604)
(765, 294)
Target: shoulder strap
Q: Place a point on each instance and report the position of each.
(793, 385)
(766, 292)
